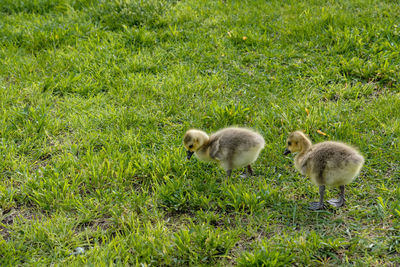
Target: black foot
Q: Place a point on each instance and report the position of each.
(336, 202)
(316, 206)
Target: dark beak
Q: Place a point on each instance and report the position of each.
(189, 154)
(287, 151)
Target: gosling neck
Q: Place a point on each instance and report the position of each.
(205, 145)
(203, 152)
(305, 148)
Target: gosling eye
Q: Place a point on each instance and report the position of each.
(191, 146)
(289, 143)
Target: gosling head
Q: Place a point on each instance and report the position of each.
(297, 142)
(193, 141)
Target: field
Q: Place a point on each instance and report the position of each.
(95, 97)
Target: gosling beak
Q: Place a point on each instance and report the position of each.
(189, 154)
(287, 151)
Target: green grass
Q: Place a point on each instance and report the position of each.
(95, 97)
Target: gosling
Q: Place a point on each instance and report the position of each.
(231, 147)
(326, 163)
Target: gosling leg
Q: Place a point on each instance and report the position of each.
(249, 172)
(319, 205)
(340, 201)
(228, 173)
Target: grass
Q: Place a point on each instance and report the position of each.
(95, 97)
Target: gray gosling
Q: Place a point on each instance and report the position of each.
(231, 147)
(326, 163)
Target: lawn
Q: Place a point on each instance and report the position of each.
(95, 97)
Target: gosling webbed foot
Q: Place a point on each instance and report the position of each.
(319, 205)
(336, 202)
(340, 201)
(316, 206)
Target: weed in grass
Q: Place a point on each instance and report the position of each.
(202, 244)
(224, 116)
(266, 256)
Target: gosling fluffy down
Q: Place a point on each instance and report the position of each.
(231, 147)
(327, 163)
